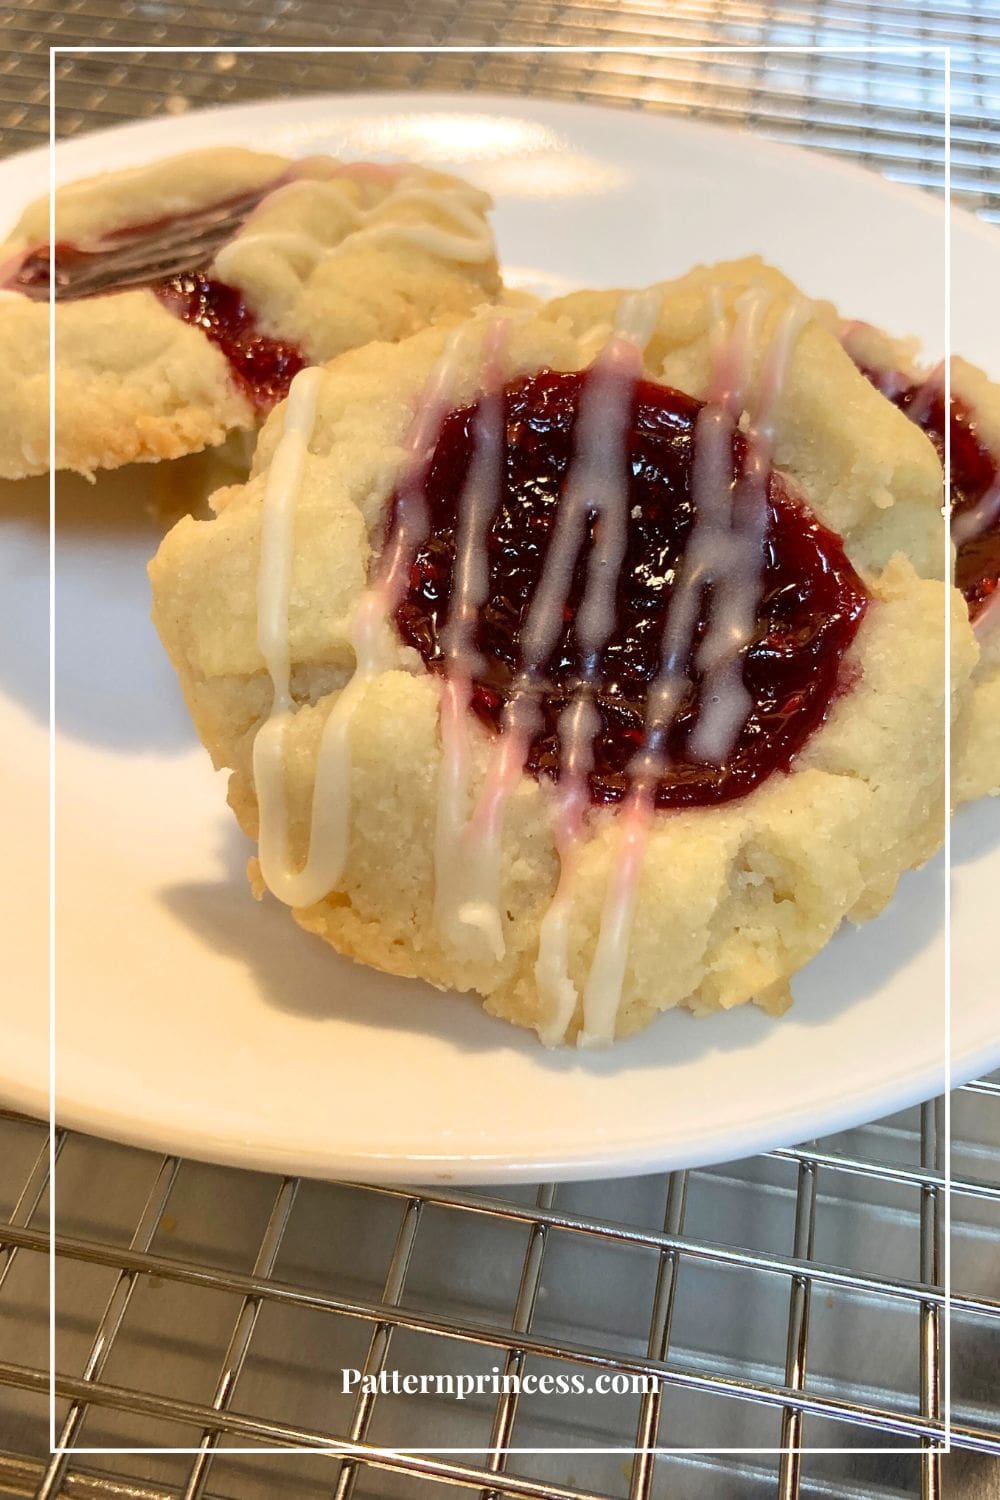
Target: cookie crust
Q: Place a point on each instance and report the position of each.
(976, 727)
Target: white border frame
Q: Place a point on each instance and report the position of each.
(360, 1452)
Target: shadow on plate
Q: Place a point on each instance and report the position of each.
(143, 501)
(976, 831)
(114, 685)
(24, 594)
(298, 973)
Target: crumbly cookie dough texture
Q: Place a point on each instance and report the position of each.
(734, 899)
(134, 383)
(976, 730)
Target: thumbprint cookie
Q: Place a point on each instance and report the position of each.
(575, 658)
(189, 293)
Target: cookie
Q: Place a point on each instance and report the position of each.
(189, 293)
(973, 425)
(574, 658)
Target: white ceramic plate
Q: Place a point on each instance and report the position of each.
(192, 1020)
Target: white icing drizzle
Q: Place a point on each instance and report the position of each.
(284, 480)
(978, 518)
(370, 635)
(596, 479)
(602, 993)
(855, 336)
(469, 241)
(461, 922)
(985, 513)
(724, 552)
(919, 408)
(730, 527)
(468, 851)
(972, 522)
(464, 238)
(290, 242)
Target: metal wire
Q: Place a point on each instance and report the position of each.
(794, 1301)
(886, 114)
(378, 1348)
(817, 1192)
(658, 1346)
(792, 1437)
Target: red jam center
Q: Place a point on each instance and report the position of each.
(170, 257)
(811, 604)
(974, 469)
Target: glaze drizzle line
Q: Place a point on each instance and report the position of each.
(975, 472)
(596, 482)
(464, 238)
(374, 647)
(457, 918)
(598, 479)
(724, 553)
(284, 480)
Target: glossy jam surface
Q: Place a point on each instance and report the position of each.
(170, 257)
(262, 366)
(811, 606)
(973, 470)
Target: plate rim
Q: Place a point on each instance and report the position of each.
(833, 161)
(625, 1160)
(471, 1167)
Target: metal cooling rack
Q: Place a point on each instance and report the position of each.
(791, 1300)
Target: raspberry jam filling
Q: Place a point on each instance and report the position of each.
(263, 367)
(170, 257)
(811, 603)
(974, 471)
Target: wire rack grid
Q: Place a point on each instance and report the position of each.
(791, 1301)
